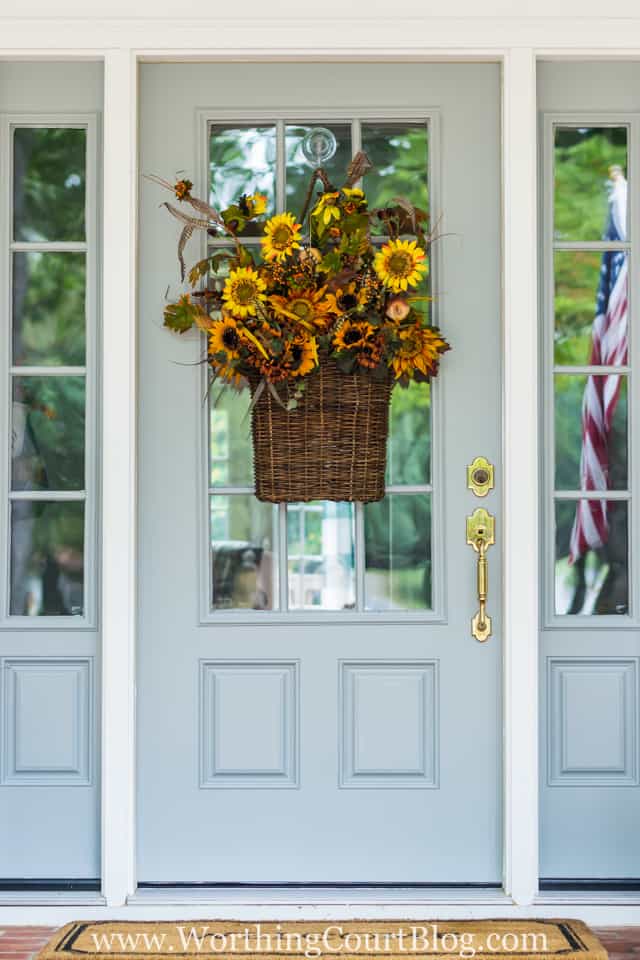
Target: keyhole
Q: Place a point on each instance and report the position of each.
(480, 477)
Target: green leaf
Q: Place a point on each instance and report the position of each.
(346, 362)
(198, 271)
(217, 260)
(246, 258)
(331, 262)
(181, 316)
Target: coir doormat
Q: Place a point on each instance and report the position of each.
(305, 940)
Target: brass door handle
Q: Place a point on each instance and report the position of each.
(481, 536)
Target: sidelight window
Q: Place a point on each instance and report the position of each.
(49, 212)
(322, 556)
(589, 308)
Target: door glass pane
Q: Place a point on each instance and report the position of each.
(242, 553)
(48, 309)
(47, 440)
(398, 559)
(49, 183)
(321, 556)
(591, 557)
(47, 558)
(242, 160)
(299, 169)
(230, 435)
(599, 435)
(590, 284)
(399, 154)
(409, 446)
(584, 161)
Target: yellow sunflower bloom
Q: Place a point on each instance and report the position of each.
(355, 199)
(311, 308)
(225, 337)
(352, 335)
(348, 298)
(420, 350)
(400, 264)
(327, 208)
(256, 204)
(243, 290)
(301, 356)
(281, 237)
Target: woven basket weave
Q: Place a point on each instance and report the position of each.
(332, 446)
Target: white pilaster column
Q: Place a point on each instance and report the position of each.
(521, 503)
(119, 476)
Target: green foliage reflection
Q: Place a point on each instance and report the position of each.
(49, 183)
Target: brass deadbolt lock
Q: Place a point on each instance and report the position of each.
(480, 477)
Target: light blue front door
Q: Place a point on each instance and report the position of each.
(311, 704)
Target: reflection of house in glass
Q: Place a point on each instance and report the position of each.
(321, 551)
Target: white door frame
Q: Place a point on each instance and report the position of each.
(516, 44)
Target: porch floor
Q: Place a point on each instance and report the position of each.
(21, 943)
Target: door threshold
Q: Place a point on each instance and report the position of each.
(309, 894)
(578, 896)
(51, 898)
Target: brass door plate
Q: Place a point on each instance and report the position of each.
(480, 476)
(481, 525)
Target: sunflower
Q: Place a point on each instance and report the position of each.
(348, 298)
(312, 308)
(355, 199)
(370, 353)
(255, 204)
(327, 208)
(225, 337)
(299, 357)
(243, 290)
(400, 264)
(420, 350)
(352, 335)
(281, 237)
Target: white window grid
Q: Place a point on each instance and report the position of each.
(208, 119)
(89, 247)
(553, 495)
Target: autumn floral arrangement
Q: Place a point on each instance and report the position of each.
(321, 326)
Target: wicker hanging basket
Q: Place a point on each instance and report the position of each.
(332, 446)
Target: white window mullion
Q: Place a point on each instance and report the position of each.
(282, 565)
(360, 559)
(281, 166)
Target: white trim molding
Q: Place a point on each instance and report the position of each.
(513, 42)
(119, 477)
(521, 502)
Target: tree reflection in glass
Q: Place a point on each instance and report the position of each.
(49, 183)
(242, 160)
(398, 553)
(48, 433)
(399, 154)
(48, 309)
(47, 558)
(242, 561)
